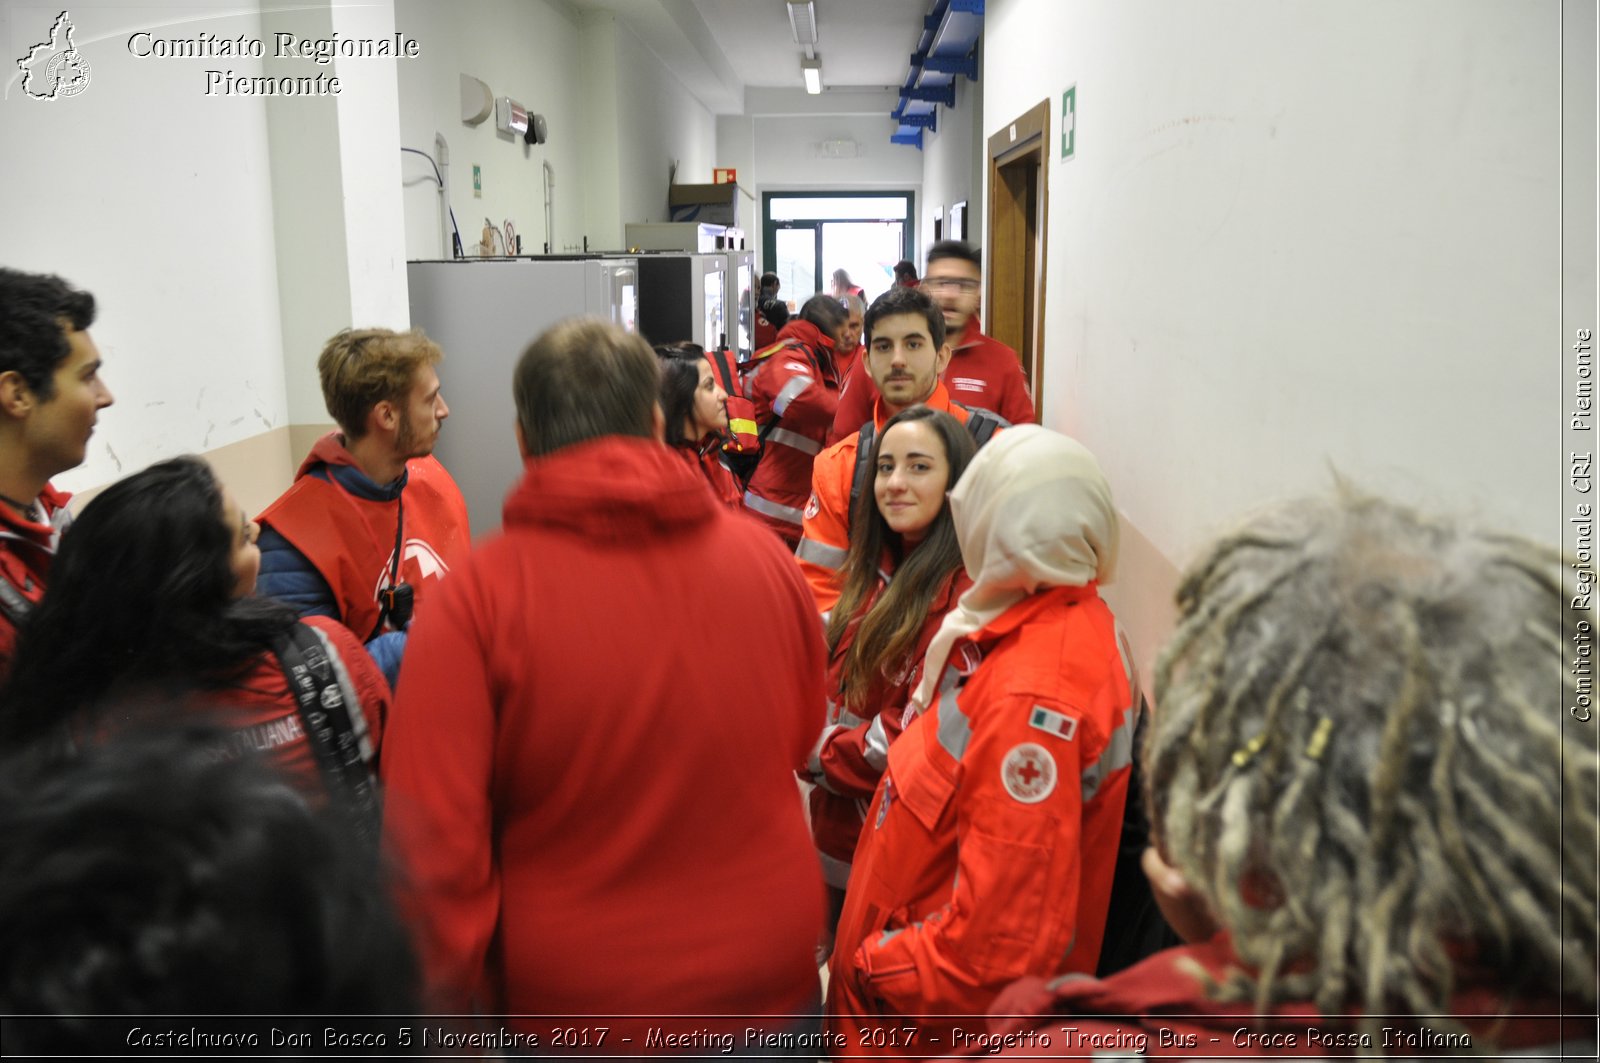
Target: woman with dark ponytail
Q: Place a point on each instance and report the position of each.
(695, 410)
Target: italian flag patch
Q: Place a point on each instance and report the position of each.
(1056, 723)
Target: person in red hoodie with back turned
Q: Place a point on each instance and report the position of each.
(983, 373)
(594, 826)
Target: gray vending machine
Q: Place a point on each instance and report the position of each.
(684, 297)
(483, 313)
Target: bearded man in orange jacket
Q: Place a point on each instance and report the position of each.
(907, 350)
(983, 372)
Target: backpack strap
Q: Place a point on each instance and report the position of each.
(326, 701)
(858, 476)
(727, 375)
(13, 605)
(983, 424)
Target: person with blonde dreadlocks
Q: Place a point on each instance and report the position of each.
(1373, 819)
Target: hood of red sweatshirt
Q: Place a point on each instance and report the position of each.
(613, 488)
(329, 450)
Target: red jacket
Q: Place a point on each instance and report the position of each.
(351, 540)
(844, 362)
(983, 373)
(794, 382)
(993, 836)
(825, 531)
(266, 719)
(850, 756)
(706, 460)
(591, 762)
(1171, 1016)
(26, 551)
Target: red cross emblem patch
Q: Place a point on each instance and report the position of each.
(1029, 773)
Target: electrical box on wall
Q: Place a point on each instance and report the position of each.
(511, 117)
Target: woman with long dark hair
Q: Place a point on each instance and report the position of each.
(902, 574)
(150, 608)
(695, 409)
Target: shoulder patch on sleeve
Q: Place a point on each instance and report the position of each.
(1057, 723)
(813, 506)
(1029, 773)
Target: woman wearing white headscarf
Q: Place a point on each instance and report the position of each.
(989, 849)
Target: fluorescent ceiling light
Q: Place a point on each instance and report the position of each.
(803, 22)
(812, 69)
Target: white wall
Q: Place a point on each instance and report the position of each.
(529, 51)
(658, 123)
(1252, 276)
(783, 151)
(334, 164)
(1299, 237)
(157, 199)
(617, 116)
(953, 165)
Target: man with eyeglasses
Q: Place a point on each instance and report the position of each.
(983, 372)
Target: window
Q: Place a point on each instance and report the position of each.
(809, 235)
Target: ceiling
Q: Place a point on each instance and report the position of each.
(718, 48)
(862, 43)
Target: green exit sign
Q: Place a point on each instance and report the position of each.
(1069, 121)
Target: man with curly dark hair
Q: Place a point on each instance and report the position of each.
(51, 395)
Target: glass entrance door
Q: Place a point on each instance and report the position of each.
(809, 235)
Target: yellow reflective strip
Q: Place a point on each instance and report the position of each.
(743, 425)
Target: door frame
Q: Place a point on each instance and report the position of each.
(1017, 264)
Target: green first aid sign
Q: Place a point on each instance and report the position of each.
(1069, 121)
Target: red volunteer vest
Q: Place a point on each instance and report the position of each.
(351, 540)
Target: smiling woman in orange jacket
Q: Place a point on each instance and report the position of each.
(902, 574)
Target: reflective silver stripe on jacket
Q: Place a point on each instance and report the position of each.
(814, 760)
(820, 553)
(795, 440)
(789, 393)
(954, 730)
(876, 750)
(835, 872)
(1125, 651)
(1117, 755)
(771, 509)
(849, 719)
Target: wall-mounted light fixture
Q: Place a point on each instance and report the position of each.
(812, 69)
